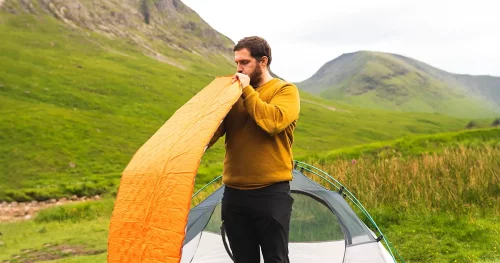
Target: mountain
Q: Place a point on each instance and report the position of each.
(394, 82)
(76, 102)
(166, 30)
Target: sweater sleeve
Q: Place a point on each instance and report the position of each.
(218, 133)
(275, 116)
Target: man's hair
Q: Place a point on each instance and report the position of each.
(257, 46)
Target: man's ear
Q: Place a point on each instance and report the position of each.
(264, 60)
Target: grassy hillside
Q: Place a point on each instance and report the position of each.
(416, 145)
(487, 87)
(74, 112)
(385, 81)
(72, 109)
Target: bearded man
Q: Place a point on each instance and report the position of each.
(259, 129)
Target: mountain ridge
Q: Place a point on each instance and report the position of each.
(163, 28)
(385, 80)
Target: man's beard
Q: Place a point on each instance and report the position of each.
(255, 77)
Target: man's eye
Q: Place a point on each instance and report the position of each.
(244, 62)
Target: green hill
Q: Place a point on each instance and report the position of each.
(76, 103)
(375, 80)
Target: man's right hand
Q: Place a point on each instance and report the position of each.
(244, 79)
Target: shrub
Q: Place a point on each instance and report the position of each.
(496, 122)
(472, 124)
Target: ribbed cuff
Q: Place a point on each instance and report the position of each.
(247, 91)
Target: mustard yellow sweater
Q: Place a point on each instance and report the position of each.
(259, 135)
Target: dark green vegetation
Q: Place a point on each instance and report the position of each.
(376, 80)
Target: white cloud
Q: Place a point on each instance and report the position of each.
(456, 36)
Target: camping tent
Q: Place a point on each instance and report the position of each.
(323, 226)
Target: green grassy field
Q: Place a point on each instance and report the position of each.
(64, 232)
(73, 112)
(433, 207)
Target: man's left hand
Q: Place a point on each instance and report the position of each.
(244, 79)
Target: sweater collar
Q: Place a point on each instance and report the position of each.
(270, 82)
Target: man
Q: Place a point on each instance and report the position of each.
(257, 202)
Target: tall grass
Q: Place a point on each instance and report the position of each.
(459, 181)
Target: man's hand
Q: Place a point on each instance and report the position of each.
(244, 79)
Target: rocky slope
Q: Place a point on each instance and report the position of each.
(18, 211)
(163, 28)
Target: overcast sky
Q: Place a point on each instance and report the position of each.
(456, 36)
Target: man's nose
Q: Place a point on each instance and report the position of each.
(239, 69)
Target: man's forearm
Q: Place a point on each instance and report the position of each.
(275, 116)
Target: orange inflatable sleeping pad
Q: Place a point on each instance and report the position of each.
(153, 202)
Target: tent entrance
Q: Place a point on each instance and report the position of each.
(316, 235)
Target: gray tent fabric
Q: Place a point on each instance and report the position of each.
(323, 228)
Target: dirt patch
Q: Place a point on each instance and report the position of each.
(52, 252)
(1, 3)
(10, 212)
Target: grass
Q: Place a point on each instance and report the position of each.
(439, 238)
(74, 110)
(434, 207)
(417, 144)
(457, 181)
(85, 110)
(81, 227)
(21, 238)
(76, 212)
(80, 259)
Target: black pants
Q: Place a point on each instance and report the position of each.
(258, 218)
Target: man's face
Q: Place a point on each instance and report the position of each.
(248, 65)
